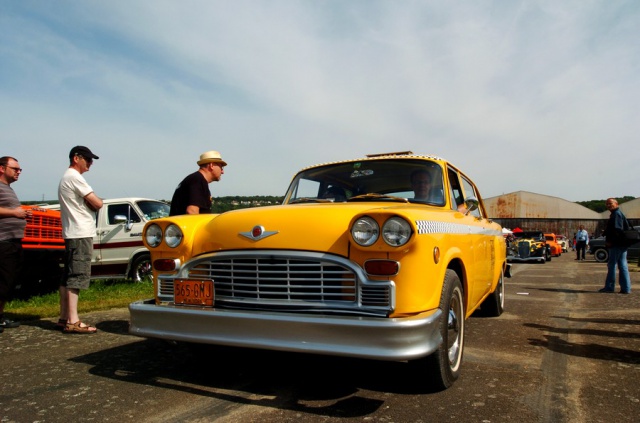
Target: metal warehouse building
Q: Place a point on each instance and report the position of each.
(531, 211)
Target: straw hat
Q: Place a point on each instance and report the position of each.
(211, 157)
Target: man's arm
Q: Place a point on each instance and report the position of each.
(93, 201)
(191, 209)
(18, 212)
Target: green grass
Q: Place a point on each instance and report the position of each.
(101, 295)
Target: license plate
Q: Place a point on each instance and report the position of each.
(192, 292)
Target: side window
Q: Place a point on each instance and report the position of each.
(455, 190)
(470, 191)
(121, 209)
(307, 189)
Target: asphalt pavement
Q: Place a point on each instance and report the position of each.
(561, 352)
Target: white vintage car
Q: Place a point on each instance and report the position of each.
(118, 250)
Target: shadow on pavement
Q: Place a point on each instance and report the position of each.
(269, 378)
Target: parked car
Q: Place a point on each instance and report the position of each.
(554, 246)
(351, 264)
(564, 243)
(599, 250)
(43, 252)
(529, 246)
(118, 250)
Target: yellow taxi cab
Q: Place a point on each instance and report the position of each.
(382, 257)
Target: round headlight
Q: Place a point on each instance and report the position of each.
(365, 231)
(153, 235)
(396, 231)
(173, 236)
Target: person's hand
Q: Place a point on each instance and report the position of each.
(21, 213)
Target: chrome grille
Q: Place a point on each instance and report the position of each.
(282, 279)
(278, 279)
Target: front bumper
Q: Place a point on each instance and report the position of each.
(516, 259)
(394, 339)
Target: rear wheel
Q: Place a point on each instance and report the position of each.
(443, 366)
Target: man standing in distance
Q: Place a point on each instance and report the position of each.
(192, 196)
(78, 206)
(12, 224)
(582, 240)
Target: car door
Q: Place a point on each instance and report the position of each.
(119, 235)
(481, 268)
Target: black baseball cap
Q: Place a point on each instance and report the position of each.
(83, 151)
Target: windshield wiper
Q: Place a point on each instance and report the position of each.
(375, 196)
(309, 200)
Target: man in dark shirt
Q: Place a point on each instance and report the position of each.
(12, 224)
(192, 196)
(614, 235)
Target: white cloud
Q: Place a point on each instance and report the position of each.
(533, 95)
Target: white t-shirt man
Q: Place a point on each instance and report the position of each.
(78, 220)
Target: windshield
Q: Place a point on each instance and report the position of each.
(153, 209)
(417, 181)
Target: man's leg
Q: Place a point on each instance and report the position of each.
(64, 304)
(79, 277)
(10, 262)
(72, 305)
(623, 269)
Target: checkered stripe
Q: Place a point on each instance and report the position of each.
(435, 227)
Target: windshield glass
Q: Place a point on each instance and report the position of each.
(387, 180)
(154, 209)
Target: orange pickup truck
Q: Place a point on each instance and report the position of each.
(43, 253)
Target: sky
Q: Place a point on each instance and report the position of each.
(534, 95)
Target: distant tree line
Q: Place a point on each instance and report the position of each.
(599, 205)
(223, 204)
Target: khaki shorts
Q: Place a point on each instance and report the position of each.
(77, 263)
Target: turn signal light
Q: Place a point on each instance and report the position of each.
(382, 267)
(166, 265)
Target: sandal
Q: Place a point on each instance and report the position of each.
(62, 323)
(78, 327)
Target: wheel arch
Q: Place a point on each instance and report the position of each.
(457, 265)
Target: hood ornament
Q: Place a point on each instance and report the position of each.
(257, 233)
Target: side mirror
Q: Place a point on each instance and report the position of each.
(120, 218)
(471, 204)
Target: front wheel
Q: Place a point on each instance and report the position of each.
(141, 269)
(601, 255)
(443, 365)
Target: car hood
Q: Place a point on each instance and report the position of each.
(311, 227)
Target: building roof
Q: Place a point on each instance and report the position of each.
(524, 204)
(631, 209)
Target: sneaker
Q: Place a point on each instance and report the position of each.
(605, 290)
(625, 292)
(7, 324)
